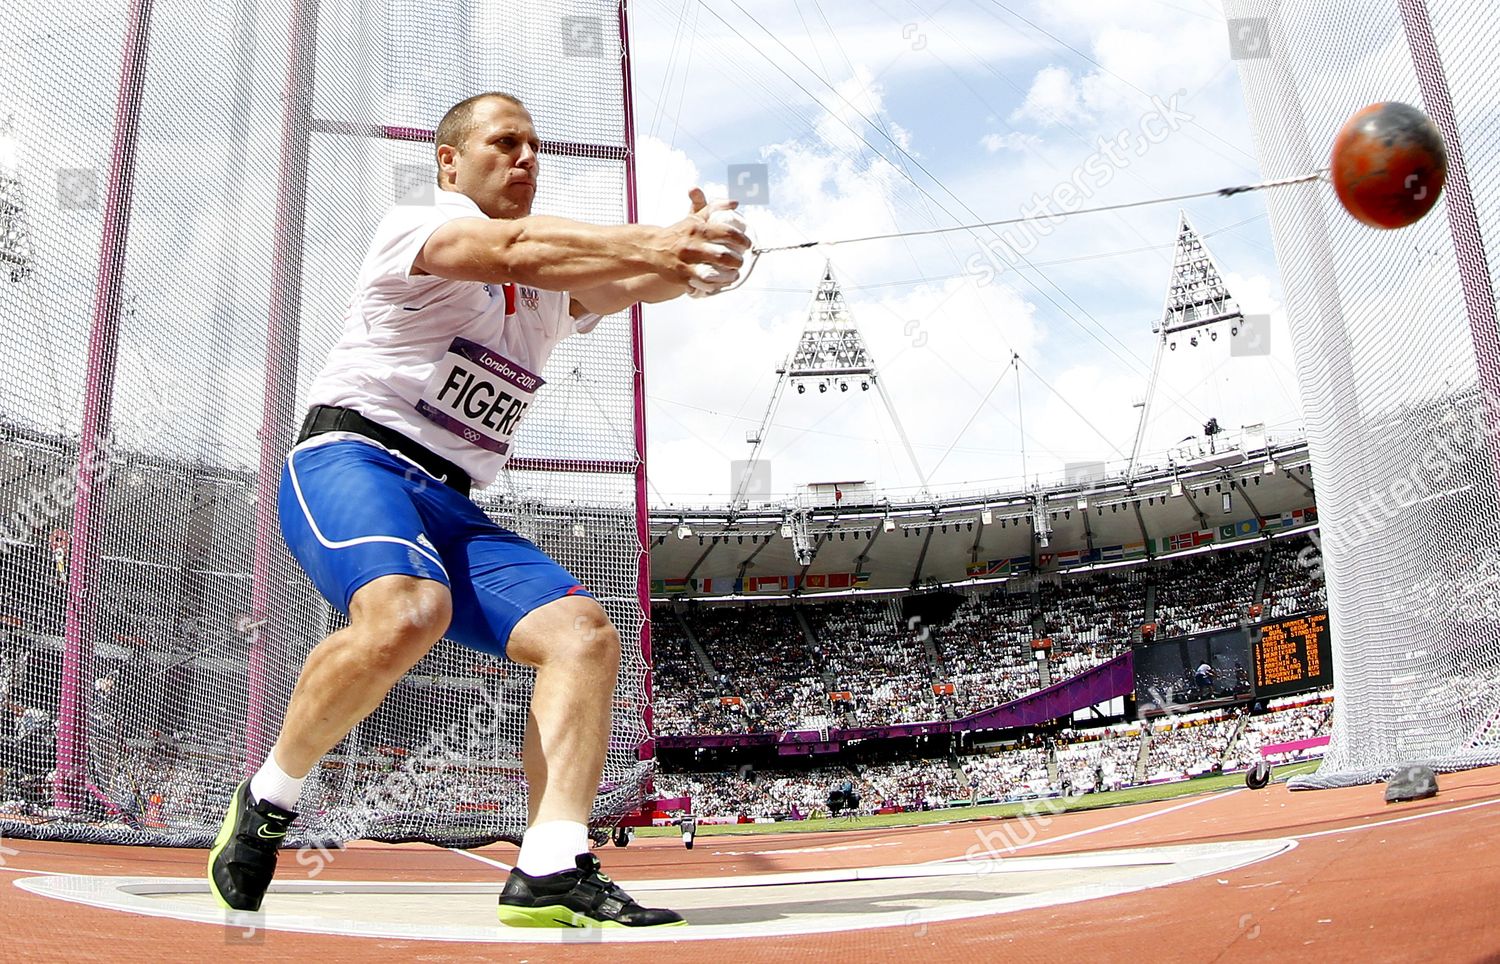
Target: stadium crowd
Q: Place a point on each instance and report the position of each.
(778, 667)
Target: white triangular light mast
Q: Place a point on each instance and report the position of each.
(1197, 297)
(15, 232)
(830, 355)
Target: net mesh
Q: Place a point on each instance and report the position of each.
(186, 193)
(1399, 367)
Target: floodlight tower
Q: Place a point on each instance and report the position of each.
(831, 355)
(15, 232)
(1197, 300)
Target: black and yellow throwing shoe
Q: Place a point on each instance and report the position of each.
(243, 859)
(583, 897)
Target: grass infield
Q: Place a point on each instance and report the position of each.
(1089, 801)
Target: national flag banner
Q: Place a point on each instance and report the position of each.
(719, 584)
(1298, 517)
(673, 586)
(1226, 531)
(1089, 555)
(658, 588)
(1247, 528)
(730, 701)
(1020, 565)
(1071, 557)
(1136, 550)
(994, 567)
(815, 581)
(942, 689)
(843, 696)
(840, 580)
(768, 584)
(1189, 540)
(861, 580)
(1044, 560)
(1112, 554)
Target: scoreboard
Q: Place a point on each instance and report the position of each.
(1292, 654)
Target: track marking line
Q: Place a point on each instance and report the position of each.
(484, 860)
(991, 853)
(1393, 820)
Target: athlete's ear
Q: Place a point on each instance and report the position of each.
(445, 155)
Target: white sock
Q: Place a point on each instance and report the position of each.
(273, 784)
(551, 847)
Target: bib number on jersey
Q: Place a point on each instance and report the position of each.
(479, 395)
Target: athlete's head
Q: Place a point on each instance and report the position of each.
(487, 149)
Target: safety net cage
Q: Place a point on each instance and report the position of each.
(1399, 363)
(186, 193)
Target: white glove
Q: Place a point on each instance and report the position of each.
(710, 279)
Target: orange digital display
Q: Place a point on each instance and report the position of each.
(1293, 653)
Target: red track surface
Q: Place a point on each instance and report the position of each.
(1357, 888)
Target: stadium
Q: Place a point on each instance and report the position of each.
(1052, 542)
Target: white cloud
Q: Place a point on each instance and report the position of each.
(1054, 98)
(1014, 141)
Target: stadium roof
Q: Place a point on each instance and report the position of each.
(855, 539)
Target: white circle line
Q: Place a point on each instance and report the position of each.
(132, 895)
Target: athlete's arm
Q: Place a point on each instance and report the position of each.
(558, 254)
(606, 299)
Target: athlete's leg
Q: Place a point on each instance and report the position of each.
(576, 652)
(393, 622)
(509, 598)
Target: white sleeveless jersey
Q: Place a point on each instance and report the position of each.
(453, 365)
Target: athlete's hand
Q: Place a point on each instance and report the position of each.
(710, 279)
(706, 244)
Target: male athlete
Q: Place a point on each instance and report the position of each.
(457, 306)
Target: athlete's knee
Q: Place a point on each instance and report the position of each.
(591, 637)
(400, 619)
(573, 631)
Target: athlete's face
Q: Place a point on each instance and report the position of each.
(497, 165)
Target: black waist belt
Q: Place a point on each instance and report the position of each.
(329, 418)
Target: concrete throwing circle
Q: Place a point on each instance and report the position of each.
(771, 905)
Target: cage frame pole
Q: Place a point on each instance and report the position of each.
(647, 749)
(1463, 216)
(80, 625)
(269, 569)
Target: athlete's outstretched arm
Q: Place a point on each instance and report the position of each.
(558, 254)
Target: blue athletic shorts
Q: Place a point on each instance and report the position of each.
(352, 512)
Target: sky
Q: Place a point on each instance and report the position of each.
(892, 116)
(870, 118)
